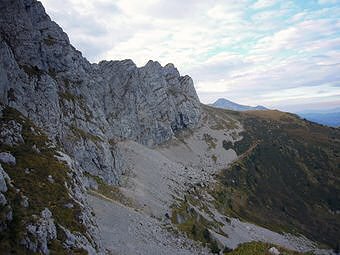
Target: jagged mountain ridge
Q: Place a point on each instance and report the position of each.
(229, 105)
(49, 81)
(84, 108)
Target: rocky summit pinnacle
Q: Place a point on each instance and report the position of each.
(87, 107)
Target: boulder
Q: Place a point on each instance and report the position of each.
(3, 179)
(10, 133)
(7, 158)
(274, 251)
(3, 200)
(40, 233)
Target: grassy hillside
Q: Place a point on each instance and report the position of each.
(36, 162)
(287, 177)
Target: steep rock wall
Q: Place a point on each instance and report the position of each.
(85, 107)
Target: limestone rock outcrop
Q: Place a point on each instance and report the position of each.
(87, 107)
(43, 231)
(84, 108)
(7, 158)
(6, 212)
(43, 190)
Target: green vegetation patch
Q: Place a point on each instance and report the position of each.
(223, 119)
(259, 248)
(287, 177)
(109, 191)
(50, 41)
(76, 100)
(32, 71)
(81, 134)
(189, 221)
(210, 141)
(69, 96)
(36, 165)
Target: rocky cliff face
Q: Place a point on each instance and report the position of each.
(68, 127)
(87, 107)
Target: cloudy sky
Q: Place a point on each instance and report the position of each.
(278, 53)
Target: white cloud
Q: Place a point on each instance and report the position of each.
(298, 36)
(261, 4)
(239, 49)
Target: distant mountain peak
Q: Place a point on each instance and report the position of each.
(227, 104)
